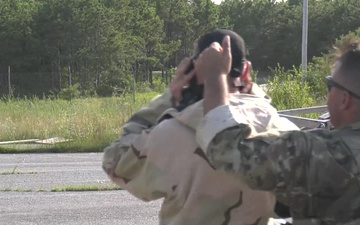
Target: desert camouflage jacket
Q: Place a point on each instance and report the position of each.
(166, 162)
(315, 173)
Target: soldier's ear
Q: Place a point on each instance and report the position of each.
(246, 73)
(346, 101)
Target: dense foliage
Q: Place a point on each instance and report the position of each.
(111, 46)
(294, 88)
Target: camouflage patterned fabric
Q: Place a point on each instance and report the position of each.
(315, 172)
(166, 162)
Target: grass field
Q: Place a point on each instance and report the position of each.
(91, 123)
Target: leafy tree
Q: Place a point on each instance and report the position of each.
(110, 44)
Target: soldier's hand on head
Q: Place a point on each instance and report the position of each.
(214, 65)
(215, 60)
(181, 79)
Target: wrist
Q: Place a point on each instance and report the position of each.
(219, 80)
(216, 92)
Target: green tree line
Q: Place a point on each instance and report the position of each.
(107, 45)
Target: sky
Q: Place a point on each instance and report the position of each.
(219, 1)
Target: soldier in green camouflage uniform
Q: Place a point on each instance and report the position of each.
(315, 172)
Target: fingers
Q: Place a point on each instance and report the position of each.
(184, 61)
(246, 71)
(184, 64)
(226, 46)
(216, 46)
(188, 76)
(181, 79)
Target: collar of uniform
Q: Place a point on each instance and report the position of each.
(260, 91)
(189, 117)
(354, 126)
(168, 114)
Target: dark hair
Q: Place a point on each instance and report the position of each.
(238, 49)
(194, 92)
(346, 59)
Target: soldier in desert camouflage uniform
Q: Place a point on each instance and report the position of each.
(316, 172)
(165, 161)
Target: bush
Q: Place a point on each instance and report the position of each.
(104, 90)
(286, 90)
(294, 89)
(318, 70)
(143, 87)
(70, 93)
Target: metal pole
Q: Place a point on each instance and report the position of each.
(304, 36)
(134, 88)
(9, 81)
(69, 72)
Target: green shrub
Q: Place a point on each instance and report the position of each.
(159, 86)
(315, 77)
(104, 90)
(143, 87)
(286, 90)
(295, 89)
(70, 93)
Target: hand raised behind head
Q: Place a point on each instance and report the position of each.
(215, 60)
(181, 79)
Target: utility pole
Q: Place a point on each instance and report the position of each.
(9, 80)
(304, 39)
(70, 79)
(134, 87)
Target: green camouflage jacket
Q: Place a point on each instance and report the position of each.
(315, 173)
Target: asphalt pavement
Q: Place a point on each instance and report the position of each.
(46, 171)
(25, 198)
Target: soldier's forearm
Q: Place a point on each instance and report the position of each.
(216, 93)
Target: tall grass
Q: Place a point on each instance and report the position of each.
(91, 123)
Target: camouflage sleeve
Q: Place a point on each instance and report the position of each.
(122, 160)
(147, 116)
(287, 163)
